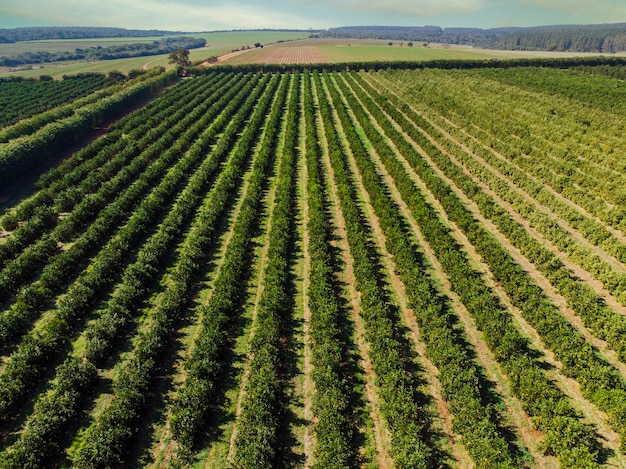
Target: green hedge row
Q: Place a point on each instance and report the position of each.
(262, 409)
(106, 439)
(551, 411)
(333, 398)
(205, 366)
(57, 408)
(401, 404)
(24, 153)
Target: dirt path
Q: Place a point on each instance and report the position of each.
(569, 386)
(303, 211)
(224, 57)
(146, 66)
(381, 432)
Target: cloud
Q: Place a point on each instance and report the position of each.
(579, 11)
(419, 8)
(205, 15)
(187, 15)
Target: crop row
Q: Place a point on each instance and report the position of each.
(75, 376)
(23, 153)
(20, 100)
(109, 434)
(583, 164)
(45, 342)
(82, 173)
(256, 443)
(459, 377)
(61, 269)
(599, 382)
(205, 366)
(31, 125)
(596, 315)
(332, 401)
(178, 136)
(121, 331)
(104, 173)
(396, 383)
(563, 237)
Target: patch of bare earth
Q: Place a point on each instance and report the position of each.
(309, 439)
(226, 57)
(294, 55)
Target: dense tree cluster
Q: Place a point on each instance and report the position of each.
(123, 51)
(74, 32)
(575, 38)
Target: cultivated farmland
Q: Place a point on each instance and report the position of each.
(403, 268)
(280, 55)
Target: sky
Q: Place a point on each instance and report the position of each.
(211, 15)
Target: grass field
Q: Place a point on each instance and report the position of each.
(218, 43)
(354, 50)
(62, 45)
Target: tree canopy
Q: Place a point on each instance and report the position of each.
(180, 57)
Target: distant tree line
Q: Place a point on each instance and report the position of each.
(139, 49)
(80, 32)
(63, 32)
(603, 38)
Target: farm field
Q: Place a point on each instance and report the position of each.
(294, 54)
(218, 43)
(368, 50)
(420, 268)
(64, 45)
(282, 48)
